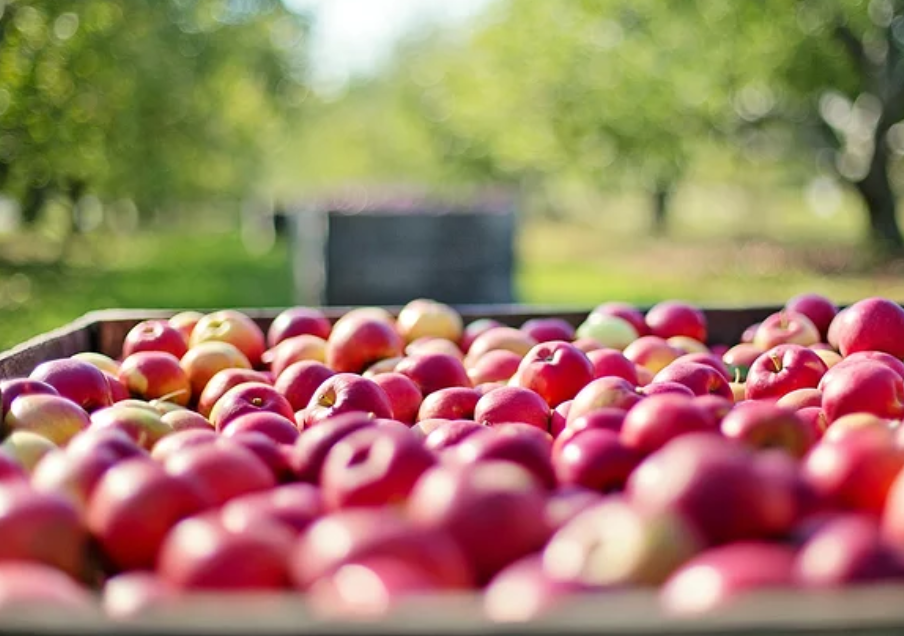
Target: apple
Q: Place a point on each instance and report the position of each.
(79, 381)
(144, 425)
(512, 404)
(357, 534)
(588, 344)
(132, 508)
(716, 577)
(864, 387)
(11, 470)
(365, 313)
(118, 391)
(494, 366)
(761, 425)
(275, 426)
(429, 344)
(625, 311)
(687, 345)
(355, 344)
(233, 327)
(35, 587)
(298, 321)
(386, 365)
(295, 506)
(554, 370)
(816, 418)
(819, 309)
(652, 353)
(345, 393)
(739, 359)
(131, 595)
(26, 448)
(298, 382)
(182, 439)
(658, 419)
(548, 329)
(450, 433)
(155, 375)
(717, 406)
(597, 460)
(872, 324)
(800, 399)
(474, 329)
(13, 388)
(221, 470)
(249, 397)
(488, 387)
(608, 392)
(701, 379)
(613, 544)
(308, 453)
(567, 502)
(184, 322)
(786, 327)
(373, 466)
(422, 317)
(783, 369)
(52, 416)
(154, 335)
(453, 403)
(434, 371)
(863, 356)
(202, 553)
(506, 338)
(676, 318)
(99, 360)
(72, 474)
(404, 395)
(185, 419)
(612, 362)
(606, 418)
(669, 387)
(294, 349)
(203, 361)
(103, 441)
(611, 332)
(530, 452)
(423, 428)
(749, 333)
(858, 422)
(892, 517)
(492, 509)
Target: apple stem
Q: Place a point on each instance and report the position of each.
(737, 375)
(776, 363)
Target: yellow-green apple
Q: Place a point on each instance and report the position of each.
(205, 360)
(701, 379)
(133, 507)
(610, 331)
(28, 586)
(294, 349)
(453, 403)
(202, 553)
(373, 466)
(249, 397)
(186, 419)
(739, 358)
(785, 327)
(676, 318)
(614, 544)
(154, 335)
(605, 392)
(655, 421)
(13, 388)
(422, 317)
(474, 329)
(234, 327)
(356, 344)
(856, 471)
(308, 453)
(686, 345)
(863, 387)
(41, 527)
(145, 426)
(404, 395)
(26, 448)
(651, 352)
(596, 459)
(434, 371)
(355, 534)
(555, 371)
(498, 365)
(761, 425)
(452, 432)
(79, 381)
(221, 382)
(512, 404)
(626, 311)
(299, 381)
(345, 393)
(548, 329)
(707, 358)
(51, 416)
(872, 324)
(783, 369)
(608, 362)
(152, 375)
(298, 321)
(135, 594)
(492, 509)
(507, 338)
(819, 309)
(275, 426)
(531, 452)
(847, 549)
(606, 418)
(718, 577)
(800, 399)
(101, 361)
(185, 321)
(429, 344)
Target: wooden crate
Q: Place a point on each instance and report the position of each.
(873, 610)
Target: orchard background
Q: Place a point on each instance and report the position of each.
(711, 151)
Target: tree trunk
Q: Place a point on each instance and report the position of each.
(662, 198)
(33, 202)
(879, 197)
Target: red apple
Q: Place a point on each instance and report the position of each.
(761, 425)
(11, 470)
(133, 507)
(717, 406)
(72, 474)
(558, 419)
(277, 427)
(494, 366)
(52, 416)
(450, 433)
(182, 439)
(597, 460)
(144, 425)
(516, 446)
(105, 441)
(203, 361)
(453, 403)
(474, 329)
(507, 338)
(185, 419)
(118, 391)
(249, 397)
(294, 349)
(893, 511)
(155, 375)
(800, 399)
(356, 344)
(274, 455)
(81, 382)
(298, 382)
(675, 318)
(512, 404)
(154, 335)
(610, 419)
(625, 311)
(555, 370)
(221, 382)
(707, 359)
(819, 309)
(657, 420)
(612, 362)
(672, 388)
(651, 352)
(346, 393)
(815, 418)
(308, 453)
(11, 389)
(233, 327)
(133, 594)
(298, 321)
(429, 344)
(864, 387)
(786, 327)
(548, 329)
(739, 359)
(295, 506)
(434, 371)
(701, 379)
(33, 587)
(422, 318)
(184, 322)
(373, 466)
(423, 428)
(872, 324)
(783, 369)
(404, 395)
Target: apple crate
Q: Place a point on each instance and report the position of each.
(874, 610)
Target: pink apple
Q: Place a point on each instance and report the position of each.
(761, 425)
(233, 327)
(33, 586)
(673, 388)
(864, 387)
(872, 324)
(716, 405)
(494, 366)
(308, 453)
(452, 432)
(298, 321)
(295, 506)
(819, 309)
(474, 329)
(173, 443)
(739, 359)
(559, 418)
(512, 404)
(345, 393)
(275, 426)
(707, 359)
(786, 327)
(357, 343)
(530, 452)
(783, 369)
(13, 388)
(434, 371)
(507, 338)
(81, 382)
(118, 390)
(612, 362)
(597, 460)
(548, 329)
(567, 502)
(454, 403)
(404, 395)
(701, 379)
(154, 335)
(606, 418)
(800, 399)
(153, 375)
(651, 352)
(184, 322)
(555, 370)
(608, 392)
(657, 420)
(298, 382)
(294, 349)
(185, 419)
(249, 397)
(815, 417)
(674, 318)
(863, 356)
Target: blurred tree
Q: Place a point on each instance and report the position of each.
(160, 102)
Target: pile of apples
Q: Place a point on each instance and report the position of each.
(368, 462)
